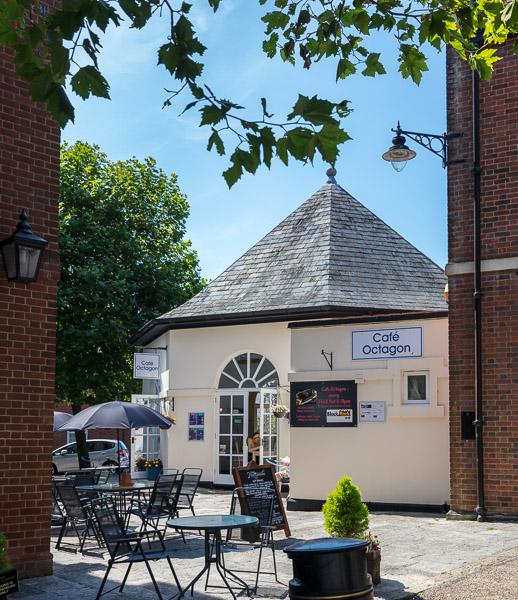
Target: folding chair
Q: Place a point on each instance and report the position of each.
(57, 512)
(75, 515)
(255, 502)
(124, 547)
(190, 480)
(162, 502)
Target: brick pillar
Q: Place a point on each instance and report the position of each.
(499, 254)
(29, 179)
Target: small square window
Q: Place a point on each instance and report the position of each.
(416, 387)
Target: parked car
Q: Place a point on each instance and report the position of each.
(101, 453)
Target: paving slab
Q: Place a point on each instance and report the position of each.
(424, 556)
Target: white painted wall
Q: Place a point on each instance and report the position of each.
(195, 359)
(404, 459)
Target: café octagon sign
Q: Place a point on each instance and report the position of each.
(401, 342)
(146, 366)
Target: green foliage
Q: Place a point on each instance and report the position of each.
(123, 262)
(47, 53)
(345, 515)
(4, 560)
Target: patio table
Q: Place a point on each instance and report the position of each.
(212, 526)
(120, 491)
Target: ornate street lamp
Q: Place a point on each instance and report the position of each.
(399, 154)
(22, 252)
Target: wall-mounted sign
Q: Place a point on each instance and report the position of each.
(196, 429)
(401, 342)
(372, 412)
(146, 366)
(323, 404)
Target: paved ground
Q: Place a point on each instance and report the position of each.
(424, 557)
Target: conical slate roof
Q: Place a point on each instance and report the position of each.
(330, 257)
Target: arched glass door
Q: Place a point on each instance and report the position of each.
(247, 390)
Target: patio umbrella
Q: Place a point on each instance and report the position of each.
(116, 415)
(60, 418)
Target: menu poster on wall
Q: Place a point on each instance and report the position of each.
(196, 427)
(324, 404)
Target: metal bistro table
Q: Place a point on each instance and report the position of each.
(212, 526)
(115, 489)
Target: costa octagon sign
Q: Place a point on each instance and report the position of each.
(402, 342)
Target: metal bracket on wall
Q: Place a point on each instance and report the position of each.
(149, 348)
(328, 360)
(169, 402)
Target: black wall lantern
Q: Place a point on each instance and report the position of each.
(22, 252)
(399, 154)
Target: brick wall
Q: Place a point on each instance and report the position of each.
(499, 240)
(29, 178)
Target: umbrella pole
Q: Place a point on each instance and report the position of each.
(119, 454)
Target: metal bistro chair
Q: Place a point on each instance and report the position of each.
(57, 511)
(190, 480)
(255, 502)
(125, 547)
(75, 515)
(76, 478)
(162, 504)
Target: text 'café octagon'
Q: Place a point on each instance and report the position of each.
(335, 315)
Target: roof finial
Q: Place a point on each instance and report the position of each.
(331, 172)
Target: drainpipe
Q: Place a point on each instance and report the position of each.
(477, 295)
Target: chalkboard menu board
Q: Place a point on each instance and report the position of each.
(263, 476)
(323, 404)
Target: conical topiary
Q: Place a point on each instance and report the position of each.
(345, 515)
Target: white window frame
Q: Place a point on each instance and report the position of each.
(406, 399)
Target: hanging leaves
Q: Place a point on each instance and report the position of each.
(301, 33)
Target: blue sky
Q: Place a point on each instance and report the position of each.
(224, 223)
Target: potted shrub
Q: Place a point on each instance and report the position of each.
(345, 515)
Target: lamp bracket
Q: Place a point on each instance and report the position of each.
(328, 360)
(426, 140)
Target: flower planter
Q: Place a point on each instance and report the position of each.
(373, 565)
(279, 415)
(153, 473)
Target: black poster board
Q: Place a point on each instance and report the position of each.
(8, 582)
(324, 404)
(263, 476)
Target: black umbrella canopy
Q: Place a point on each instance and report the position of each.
(116, 415)
(60, 418)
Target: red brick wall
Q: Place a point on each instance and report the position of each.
(29, 179)
(499, 239)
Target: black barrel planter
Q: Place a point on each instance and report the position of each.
(330, 568)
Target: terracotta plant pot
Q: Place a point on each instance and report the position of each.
(373, 565)
(126, 480)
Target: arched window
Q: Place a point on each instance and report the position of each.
(249, 370)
